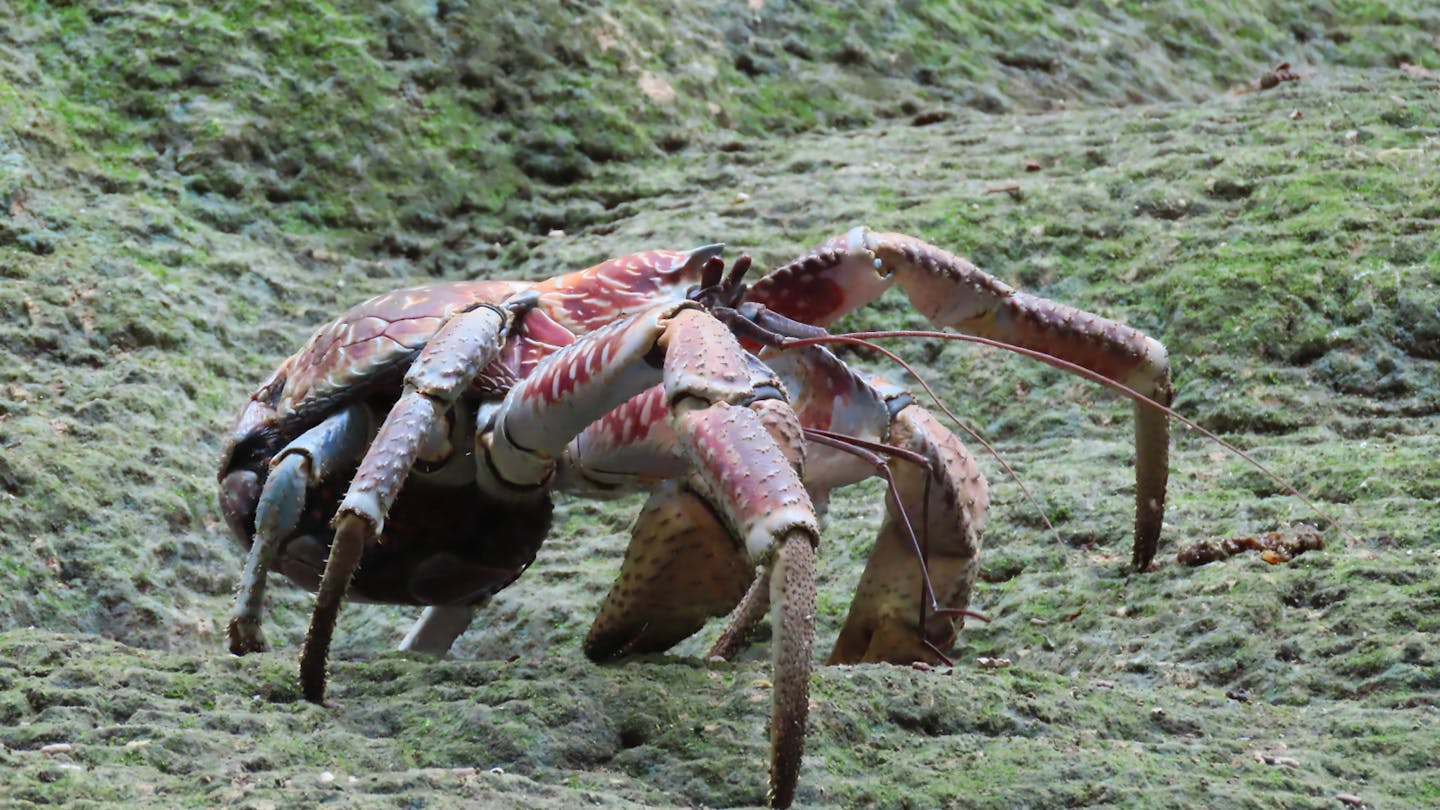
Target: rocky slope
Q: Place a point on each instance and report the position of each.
(187, 191)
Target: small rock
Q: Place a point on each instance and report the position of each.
(556, 233)
(928, 117)
(56, 748)
(496, 771)
(992, 663)
(1350, 800)
(326, 777)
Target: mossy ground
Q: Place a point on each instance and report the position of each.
(187, 191)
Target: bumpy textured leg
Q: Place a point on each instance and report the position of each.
(759, 490)
(945, 505)
(337, 442)
(454, 356)
(729, 439)
(753, 607)
(854, 269)
(681, 568)
(825, 395)
(792, 592)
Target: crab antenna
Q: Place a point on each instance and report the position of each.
(876, 447)
(865, 338)
(969, 431)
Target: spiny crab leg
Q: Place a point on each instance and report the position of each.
(302, 464)
(751, 476)
(854, 269)
(451, 359)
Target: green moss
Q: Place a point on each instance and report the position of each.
(186, 191)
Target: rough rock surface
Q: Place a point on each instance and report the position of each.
(185, 192)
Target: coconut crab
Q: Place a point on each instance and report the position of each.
(449, 414)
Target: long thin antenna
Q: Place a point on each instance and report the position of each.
(866, 338)
(862, 449)
(969, 431)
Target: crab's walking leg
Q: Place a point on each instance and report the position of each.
(944, 505)
(682, 566)
(438, 627)
(337, 442)
(458, 351)
(854, 269)
(751, 480)
(927, 552)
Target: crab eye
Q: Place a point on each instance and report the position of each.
(881, 270)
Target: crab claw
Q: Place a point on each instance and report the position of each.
(856, 268)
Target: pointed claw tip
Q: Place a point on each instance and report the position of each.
(705, 253)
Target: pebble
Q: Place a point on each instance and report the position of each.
(1268, 759)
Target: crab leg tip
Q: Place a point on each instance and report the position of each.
(793, 595)
(351, 533)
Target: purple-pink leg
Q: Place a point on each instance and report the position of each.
(461, 348)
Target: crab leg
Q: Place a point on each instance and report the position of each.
(852, 270)
(927, 552)
(891, 617)
(438, 627)
(739, 467)
(337, 442)
(467, 343)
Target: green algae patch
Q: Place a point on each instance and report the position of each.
(102, 722)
